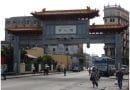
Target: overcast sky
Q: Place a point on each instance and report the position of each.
(12, 8)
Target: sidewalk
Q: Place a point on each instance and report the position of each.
(29, 74)
(21, 75)
(115, 87)
(125, 87)
(125, 77)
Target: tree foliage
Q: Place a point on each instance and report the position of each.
(23, 53)
(46, 60)
(7, 52)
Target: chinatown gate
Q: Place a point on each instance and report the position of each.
(65, 27)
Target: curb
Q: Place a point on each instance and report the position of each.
(29, 75)
(19, 76)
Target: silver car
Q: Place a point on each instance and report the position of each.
(125, 69)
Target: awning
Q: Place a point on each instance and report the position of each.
(36, 52)
(31, 56)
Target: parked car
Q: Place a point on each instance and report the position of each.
(125, 69)
(76, 69)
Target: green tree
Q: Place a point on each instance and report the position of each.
(39, 59)
(23, 55)
(46, 60)
(7, 53)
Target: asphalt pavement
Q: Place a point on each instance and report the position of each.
(114, 87)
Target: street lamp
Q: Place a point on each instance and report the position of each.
(67, 62)
(67, 58)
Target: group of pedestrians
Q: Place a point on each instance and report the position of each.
(46, 71)
(95, 76)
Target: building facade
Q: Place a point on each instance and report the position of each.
(60, 32)
(115, 14)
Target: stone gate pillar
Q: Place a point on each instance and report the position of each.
(88, 35)
(16, 54)
(118, 50)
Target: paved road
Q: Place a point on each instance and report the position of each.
(73, 81)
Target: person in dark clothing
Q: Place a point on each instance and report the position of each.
(4, 73)
(44, 71)
(34, 70)
(47, 71)
(119, 77)
(64, 71)
(94, 78)
(89, 70)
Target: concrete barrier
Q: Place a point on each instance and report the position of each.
(22, 67)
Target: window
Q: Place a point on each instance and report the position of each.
(54, 49)
(112, 20)
(8, 22)
(35, 21)
(22, 22)
(66, 49)
(105, 20)
(18, 21)
(14, 22)
(27, 21)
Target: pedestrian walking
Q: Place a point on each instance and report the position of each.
(64, 71)
(89, 71)
(119, 77)
(34, 69)
(98, 74)
(94, 78)
(44, 71)
(4, 71)
(47, 71)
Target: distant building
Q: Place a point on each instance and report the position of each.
(88, 61)
(115, 14)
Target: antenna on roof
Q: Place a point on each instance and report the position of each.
(44, 9)
(108, 5)
(119, 5)
(93, 23)
(115, 4)
(88, 8)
